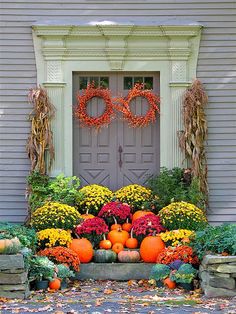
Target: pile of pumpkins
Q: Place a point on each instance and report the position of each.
(120, 245)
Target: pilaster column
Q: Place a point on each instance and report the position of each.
(55, 89)
(178, 86)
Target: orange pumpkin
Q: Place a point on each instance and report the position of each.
(84, 249)
(127, 226)
(131, 243)
(3, 245)
(105, 244)
(150, 248)
(141, 213)
(117, 247)
(55, 284)
(169, 283)
(118, 236)
(87, 215)
(115, 226)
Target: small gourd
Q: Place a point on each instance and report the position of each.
(117, 247)
(104, 256)
(105, 244)
(87, 215)
(131, 243)
(55, 284)
(115, 226)
(129, 256)
(169, 283)
(127, 225)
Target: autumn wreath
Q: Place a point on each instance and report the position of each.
(80, 111)
(134, 120)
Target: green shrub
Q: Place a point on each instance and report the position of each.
(215, 239)
(173, 186)
(43, 189)
(26, 236)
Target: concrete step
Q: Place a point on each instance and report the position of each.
(114, 271)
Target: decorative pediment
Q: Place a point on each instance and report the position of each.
(116, 43)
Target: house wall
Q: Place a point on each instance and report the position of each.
(216, 69)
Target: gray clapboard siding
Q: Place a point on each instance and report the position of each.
(216, 69)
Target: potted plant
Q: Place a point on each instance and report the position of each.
(159, 272)
(64, 273)
(42, 270)
(184, 276)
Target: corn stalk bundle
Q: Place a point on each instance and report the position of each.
(41, 137)
(194, 135)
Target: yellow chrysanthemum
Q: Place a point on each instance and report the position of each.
(182, 215)
(135, 195)
(54, 237)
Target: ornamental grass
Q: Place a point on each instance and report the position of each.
(183, 215)
(95, 196)
(62, 255)
(55, 215)
(53, 237)
(135, 195)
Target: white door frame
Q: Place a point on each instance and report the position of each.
(171, 50)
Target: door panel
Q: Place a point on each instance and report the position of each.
(140, 145)
(96, 154)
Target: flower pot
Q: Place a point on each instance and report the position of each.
(41, 284)
(159, 284)
(64, 284)
(186, 286)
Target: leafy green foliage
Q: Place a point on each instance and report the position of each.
(41, 268)
(215, 239)
(43, 189)
(159, 272)
(64, 272)
(185, 274)
(173, 186)
(26, 236)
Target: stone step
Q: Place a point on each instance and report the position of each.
(114, 271)
(11, 261)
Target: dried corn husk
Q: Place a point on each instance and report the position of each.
(41, 137)
(192, 139)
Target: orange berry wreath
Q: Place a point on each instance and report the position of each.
(80, 111)
(134, 120)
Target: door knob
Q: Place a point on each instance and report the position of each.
(120, 151)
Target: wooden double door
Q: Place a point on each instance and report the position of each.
(117, 155)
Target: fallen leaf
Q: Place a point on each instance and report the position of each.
(108, 291)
